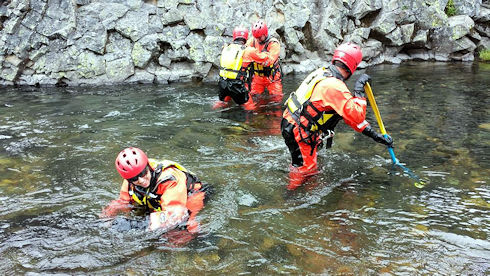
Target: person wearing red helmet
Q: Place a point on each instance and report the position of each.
(315, 108)
(267, 72)
(170, 193)
(235, 73)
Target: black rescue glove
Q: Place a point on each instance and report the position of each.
(370, 132)
(359, 86)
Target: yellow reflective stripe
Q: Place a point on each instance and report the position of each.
(167, 163)
(304, 91)
(292, 107)
(324, 118)
(151, 206)
(258, 69)
(136, 199)
(238, 61)
(144, 202)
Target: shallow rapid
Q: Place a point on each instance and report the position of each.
(358, 216)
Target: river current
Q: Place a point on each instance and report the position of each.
(359, 216)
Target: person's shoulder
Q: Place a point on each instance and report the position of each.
(153, 162)
(273, 40)
(250, 50)
(332, 82)
(250, 41)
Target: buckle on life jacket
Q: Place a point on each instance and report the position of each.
(293, 104)
(145, 198)
(267, 71)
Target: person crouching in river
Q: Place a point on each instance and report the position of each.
(315, 108)
(169, 192)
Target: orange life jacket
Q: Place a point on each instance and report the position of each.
(150, 196)
(270, 70)
(299, 105)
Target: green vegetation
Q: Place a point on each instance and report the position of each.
(485, 55)
(450, 9)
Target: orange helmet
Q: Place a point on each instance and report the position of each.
(349, 54)
(259, 29)
(130, 162)
(240, 32)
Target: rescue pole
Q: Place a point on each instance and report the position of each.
(420, 183)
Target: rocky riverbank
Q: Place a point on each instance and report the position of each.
(78, 42)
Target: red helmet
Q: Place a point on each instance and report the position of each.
(130, 162)
(349, 54)
(259, 29)
(240, 32)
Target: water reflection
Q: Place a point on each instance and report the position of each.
(358, 216)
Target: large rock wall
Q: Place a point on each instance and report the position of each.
(74, 42)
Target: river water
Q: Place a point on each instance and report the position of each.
(358, 216)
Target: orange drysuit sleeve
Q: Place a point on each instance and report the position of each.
(251, 54)
(272, 53)
(174, 191)
(123, 193)
(334, 93)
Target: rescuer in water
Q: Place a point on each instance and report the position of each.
(315, 108)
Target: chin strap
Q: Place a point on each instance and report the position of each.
(154, 177)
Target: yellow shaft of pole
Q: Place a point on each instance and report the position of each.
(371, 99)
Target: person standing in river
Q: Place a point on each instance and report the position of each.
(267, 73)
(235, 69)
(170, 193)
(315, 108)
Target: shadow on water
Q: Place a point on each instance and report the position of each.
(358, 216)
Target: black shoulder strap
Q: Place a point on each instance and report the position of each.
(154, 177)
(266, 44)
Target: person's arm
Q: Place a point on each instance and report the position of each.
(377, 137)
(267, 58)
(173, 203)
(335, 94)
(355, 112)
(274, 51)
(364, 126)
(169, 218)
(252, 54)
(122, 204)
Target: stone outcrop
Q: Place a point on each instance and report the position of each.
(77, 42)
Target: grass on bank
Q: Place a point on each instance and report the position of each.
(450, 8)
(485, 55)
